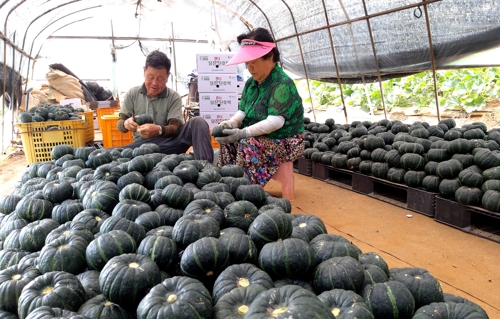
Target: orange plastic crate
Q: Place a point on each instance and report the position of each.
(111, 136)
(215, 144)
(105, 111)
(39, 138)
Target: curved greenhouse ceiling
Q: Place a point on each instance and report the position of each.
(318, 39)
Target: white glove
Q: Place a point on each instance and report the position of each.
(234, 135)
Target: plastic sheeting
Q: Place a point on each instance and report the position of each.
(365, 37)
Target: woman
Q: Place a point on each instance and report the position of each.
(268, 128)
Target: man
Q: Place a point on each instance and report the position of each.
(168, 131)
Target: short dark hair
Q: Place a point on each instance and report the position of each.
(261, 34)
(158, 60)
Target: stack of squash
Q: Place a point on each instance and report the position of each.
(461, 163)
(125, 233)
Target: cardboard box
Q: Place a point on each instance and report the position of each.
(214, 118)
(213, 102)
(239, 87)
(217, 83)
(214, 63)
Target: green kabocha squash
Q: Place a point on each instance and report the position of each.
(54, 289)
(144, 119)
(151, 220)
(372, 258)
(53, 312)
(102, 195)
(212, 196)
(338, 272)
(176, 297)
(448, 310)
(492, 184)
(491, 200)
(32, 208)
(240, 275)
(12, 240)
(326, 246)
(457, 299)
(66, 253)
(412, 161)
(424, 287)
(470, 178)
(291, 257)
(30, 259)
(60, 150)
(299, 282)
(449, 169)
(66, 211)
(127, 278)
(177, 196)
(10, 257)
(346, 304)
(12, 282)
(240, 247)
(289, 301)
(232, 170)
(25, 117)
(253, 193)
(90, 282)
(269, 226)
(188, 173)
(130, 208)
(373, 274)
(448, 187)
(161, 250)
(389, 300)
(235, 304)
(205, 258)
(431, 183)
(108, 245)
(414, 178)
(469, 195)
(396, 175)
(102, 308)
(165, 231)
(190, 228)
(92, 219)
(115, 222)
(205, 207)
(32, 236)
(306, 227)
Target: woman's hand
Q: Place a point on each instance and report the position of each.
(233, 135)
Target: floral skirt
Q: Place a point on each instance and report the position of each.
(260, 156)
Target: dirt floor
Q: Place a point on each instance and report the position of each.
(466, 265)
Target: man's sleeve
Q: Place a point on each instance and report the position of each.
(126, 108)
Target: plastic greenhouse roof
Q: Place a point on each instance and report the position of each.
(317, 38)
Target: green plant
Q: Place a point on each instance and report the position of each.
(464, 89)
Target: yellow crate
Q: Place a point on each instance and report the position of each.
(111, 136)
(101, 111)
(38, 142)
(89, 119)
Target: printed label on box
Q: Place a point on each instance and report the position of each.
(217, 83)
(214, 118)
(218, 102)
(239, 86)
(214, 63)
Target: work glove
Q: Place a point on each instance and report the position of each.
(233, 135)
(225, 123)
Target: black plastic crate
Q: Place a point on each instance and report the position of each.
(320, 171)
(452, 213)
(296, 166)
(305, 166)
(389, 192)
(486, 226)
(339, 177)
(421, 201)
(362, 183)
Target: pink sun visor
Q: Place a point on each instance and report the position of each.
(251, 50)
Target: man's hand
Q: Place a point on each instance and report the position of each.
(130, 124)
(148, 130)
(234, 135)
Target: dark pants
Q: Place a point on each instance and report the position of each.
(195, 132)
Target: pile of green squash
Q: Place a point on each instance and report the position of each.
(133, 233)
(47, 112)
(460, 163)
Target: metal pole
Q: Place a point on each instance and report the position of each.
(433, 59)
(174, 56)
(376, 60)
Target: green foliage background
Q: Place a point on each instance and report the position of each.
(464, 89)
